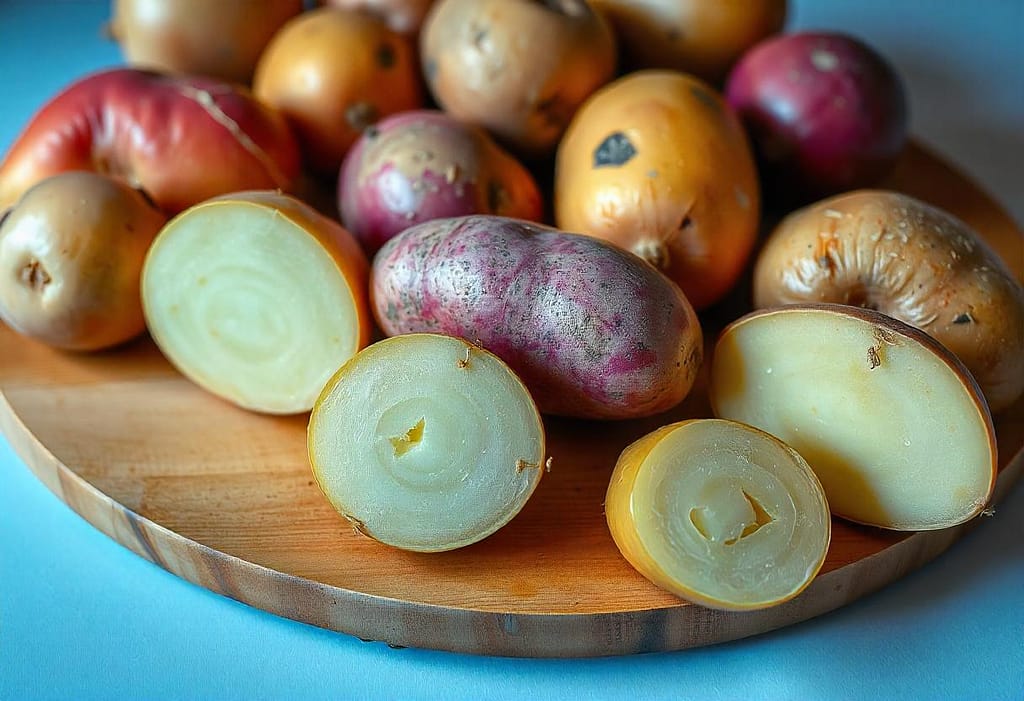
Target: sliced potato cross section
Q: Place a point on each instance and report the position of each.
(891, 422)
(426, 442)
(719, 513)
(257, 298)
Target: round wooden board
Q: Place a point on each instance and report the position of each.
(225, 499)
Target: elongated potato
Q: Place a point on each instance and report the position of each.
(891, 252)
(591, 329)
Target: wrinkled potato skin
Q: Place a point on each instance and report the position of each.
(687, 199)
(592, 331)
(217, 38)
(701, 37)
(518, 68)
(911, 261)
(402, 16)
(71, 255)
(333, 73)
(422, 165)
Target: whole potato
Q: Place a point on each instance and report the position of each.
(696, 36)
(827, 112)
(519, 68)
(181, 139)
(333, 73)
(658, 164)
(592, 330)
(422, 165)
(912, 261)
(221, 39)
(71, 255)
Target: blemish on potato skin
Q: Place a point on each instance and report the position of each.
(34, 275)
(614, 151)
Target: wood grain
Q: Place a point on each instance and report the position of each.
(225, 499)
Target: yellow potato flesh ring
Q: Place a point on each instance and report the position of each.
(719, 513)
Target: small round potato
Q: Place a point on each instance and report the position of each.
(71, 254)
(912, 261)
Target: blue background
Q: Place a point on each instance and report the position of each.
(81, 617)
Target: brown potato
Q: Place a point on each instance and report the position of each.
(703, 37)
(333, 73)
(912, 261)
(519, 68)
(71, 254)
(222, 39)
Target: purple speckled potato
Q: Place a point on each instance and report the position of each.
(423, 165)
(593, 331)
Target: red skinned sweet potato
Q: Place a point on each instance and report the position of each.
(422, 165)
(593, 331)
(180, 139)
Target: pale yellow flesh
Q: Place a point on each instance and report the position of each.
(895, 435)
(728, 516)
(426, 443)
(249, 305)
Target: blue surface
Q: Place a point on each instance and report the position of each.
(81, 617)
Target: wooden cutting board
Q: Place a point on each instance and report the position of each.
(225, 499)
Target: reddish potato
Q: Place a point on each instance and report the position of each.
(402, 16)
(827, 113)
(424, 165)
(181, 139)
(333, 73)
(696, 36)
(221, 39)
(519, 68)
(71, 255)
(592, 330)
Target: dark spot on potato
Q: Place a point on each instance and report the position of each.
(553, 111)
(385, 56)
(705, 98)
(34, 275)
(686, 222)
(674, 34)
(615, 150)
(480, 36)
(361, 115)
(371, 132)
(873, 359)
(964, 318)
(3, 215)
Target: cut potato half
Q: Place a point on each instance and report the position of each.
(426, 442)
(257, 298)
(719, 513)
(891, 422)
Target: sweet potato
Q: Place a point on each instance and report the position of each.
(593, 331)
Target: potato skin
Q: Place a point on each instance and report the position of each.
(592, 330)
(221, 39)
(422, 165)
(71, 256)
(519, 68)
(181, 139)
(912, 261)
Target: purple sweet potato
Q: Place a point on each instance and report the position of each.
(417, 166)
(592, 330)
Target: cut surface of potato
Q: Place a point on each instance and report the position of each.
(426, 442)
(719, 513)
(891, 422)
(253, 298)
